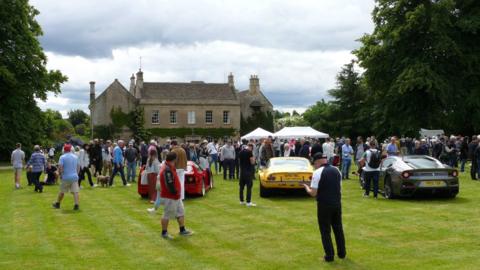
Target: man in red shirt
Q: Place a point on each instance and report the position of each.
(171, 195)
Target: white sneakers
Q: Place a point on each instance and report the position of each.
(151, 210)
(250, 204)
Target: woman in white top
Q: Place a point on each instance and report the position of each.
(152, 169)
(83, 162)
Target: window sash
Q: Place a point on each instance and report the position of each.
(191, 117)
(226, 117)
(209, 117)
(155, 117)
(173, 117)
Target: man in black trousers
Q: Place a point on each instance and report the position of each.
(247, 172)
(326, 187)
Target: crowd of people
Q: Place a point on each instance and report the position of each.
(165, 165)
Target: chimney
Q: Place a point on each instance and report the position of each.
(231, 83)
(132, 85)
(92, 91)
(139, 84)
(254, 85)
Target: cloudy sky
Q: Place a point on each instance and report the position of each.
(296, 47)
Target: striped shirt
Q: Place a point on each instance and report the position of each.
(38, 162)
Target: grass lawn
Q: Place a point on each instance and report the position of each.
(114, 231)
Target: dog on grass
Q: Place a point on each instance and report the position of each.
(103, 180)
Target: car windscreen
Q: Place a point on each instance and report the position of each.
(297, 164)
(423, 163)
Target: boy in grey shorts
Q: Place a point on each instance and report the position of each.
(170, 192)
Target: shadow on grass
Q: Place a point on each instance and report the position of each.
(287, 195)
(434, 200)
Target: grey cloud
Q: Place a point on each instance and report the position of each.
(94, 28)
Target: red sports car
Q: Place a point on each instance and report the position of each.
(197, 180)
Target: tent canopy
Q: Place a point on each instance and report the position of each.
(258, 133)
(299, 132)
(431, 132)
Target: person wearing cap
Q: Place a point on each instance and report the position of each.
(326, 187)
(131, 155)
(18, 161)
(107, 158)
(38, 163)
(68, 168)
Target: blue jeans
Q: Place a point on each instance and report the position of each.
(118, 168)
(369, 177)
(462, 164)
(346, 162)
(131, 170)
(213, 159)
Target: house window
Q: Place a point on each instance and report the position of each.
(191, 117)
(208, 117)
(173, 117)
(226, 117)
(155, 117)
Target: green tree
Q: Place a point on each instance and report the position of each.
(23, 76)
(257, 119)
(349, 105)
(414, 63)
(77, 117)
(319, 116)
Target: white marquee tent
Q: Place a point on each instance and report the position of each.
(258, 133)
(299, 132)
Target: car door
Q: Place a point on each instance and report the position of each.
(384, 167)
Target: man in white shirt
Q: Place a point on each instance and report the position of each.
(18, 161)
(371, 158)
(326, 187)
(328, 148)
(212, 156)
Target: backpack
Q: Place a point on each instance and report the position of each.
(375, 159)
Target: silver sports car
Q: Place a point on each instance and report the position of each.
(409, 175)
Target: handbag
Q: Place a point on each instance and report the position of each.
(144, 179)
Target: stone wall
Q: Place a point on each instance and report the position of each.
(182, 116)
(114, 96)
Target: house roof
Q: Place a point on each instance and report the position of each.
(244, 93)
(193, 90)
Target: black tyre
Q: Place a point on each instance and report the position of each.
(264, 192)
(388, 189)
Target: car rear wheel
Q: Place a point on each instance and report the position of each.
(388, 190)
(264, 192)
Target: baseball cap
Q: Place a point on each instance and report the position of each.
(318, 156)
(67, 147)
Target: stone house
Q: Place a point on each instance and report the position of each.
(179, 105)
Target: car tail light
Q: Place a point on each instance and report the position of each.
(271, 177)
(454, 173)
(406, 175)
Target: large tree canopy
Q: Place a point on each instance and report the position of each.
(417, 61)
(23, 76)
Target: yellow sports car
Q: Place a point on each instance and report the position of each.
(285, 173)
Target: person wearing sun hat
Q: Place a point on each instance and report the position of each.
(68, 168)
(326, 187)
